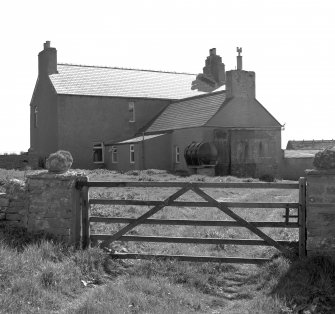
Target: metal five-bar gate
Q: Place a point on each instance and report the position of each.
(84, 219)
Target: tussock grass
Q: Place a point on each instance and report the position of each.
(42, 275)
(45, 276)
(6, 175)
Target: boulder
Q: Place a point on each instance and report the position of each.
(59, 162)
(325, 159)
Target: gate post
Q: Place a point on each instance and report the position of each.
(54, 204)
(302, 217)
(320, 214)
(77, 217)
(85, 225)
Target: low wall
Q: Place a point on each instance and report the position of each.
(21, 162)
(294, 168)
(13, 204)
(44, 202)
(320, 212)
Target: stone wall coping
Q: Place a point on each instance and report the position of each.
(320, 172)
(46, 175)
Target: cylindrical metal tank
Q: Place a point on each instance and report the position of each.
(201, 154)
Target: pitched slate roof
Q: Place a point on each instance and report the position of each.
(118, 82)
(310, 144)
(192, 112)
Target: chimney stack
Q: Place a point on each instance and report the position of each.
(214, 68)
(213, 75)
(239, 58)
(47, 44)
(47, 60)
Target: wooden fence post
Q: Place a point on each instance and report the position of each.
(85, 217)
(302, 217)
(77, 218)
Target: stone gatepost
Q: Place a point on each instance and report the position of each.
(320, 212)
(54, 204)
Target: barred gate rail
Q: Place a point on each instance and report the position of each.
(85, 219)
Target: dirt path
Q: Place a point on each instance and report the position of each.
(236, 289)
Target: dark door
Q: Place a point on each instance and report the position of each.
(222, 143)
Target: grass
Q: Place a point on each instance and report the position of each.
(38, 274)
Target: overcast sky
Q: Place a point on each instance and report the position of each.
(289, 44)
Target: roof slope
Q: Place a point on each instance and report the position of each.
(301, 153)
(310, 145)
(192, 112)
(140, 139)
(118, 82)
(243, 112)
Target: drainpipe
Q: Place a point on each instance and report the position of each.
(143, 153)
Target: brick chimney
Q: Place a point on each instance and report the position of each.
(215, 68)
(214, 74)
(47, 60)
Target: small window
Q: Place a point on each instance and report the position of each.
(114, 154)
(35, 116)
(131, 112)
(132, 154)
(177, 154)
(98, 153)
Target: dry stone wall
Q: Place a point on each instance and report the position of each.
(44, 202)
(22, 161)
(3, 206)
(13, 203)
(52, 203)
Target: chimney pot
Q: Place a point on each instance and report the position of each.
(239, 58)
(212, 51)
(47, 44)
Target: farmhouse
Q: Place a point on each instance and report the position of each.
(125, 119)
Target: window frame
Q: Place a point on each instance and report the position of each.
(131, 110)
(177, 154)
(98, 146)
(115, 156)
(132, 153)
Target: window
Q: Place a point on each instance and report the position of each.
(132, 154)
(114, 154)
(35, 116)
(98, 153)
(177, 154)
(131, 109)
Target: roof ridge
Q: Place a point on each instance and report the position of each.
(120, 68)
(312, 141)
